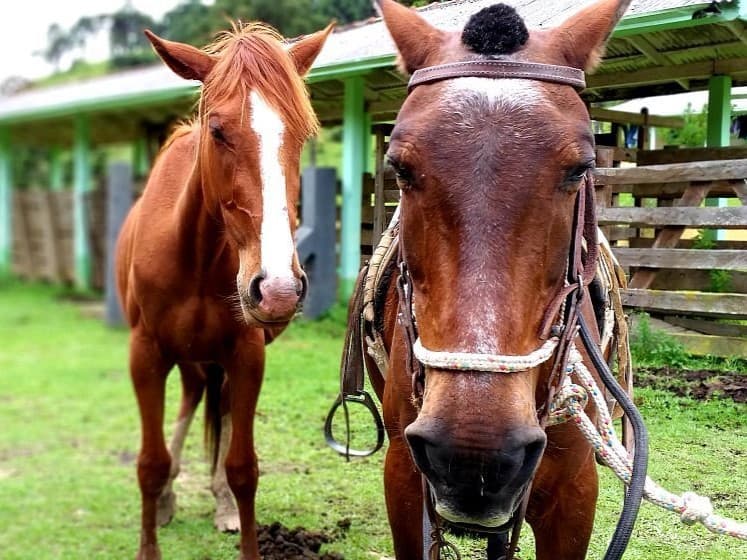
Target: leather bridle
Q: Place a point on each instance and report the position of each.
(561, 317)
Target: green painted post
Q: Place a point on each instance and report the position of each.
(140, 163)
(353, 165)
(719, 123)
(56, 174)
(82, 184)
(719, 111)
(368, 148)
(6, 204)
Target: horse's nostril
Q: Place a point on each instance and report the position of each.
(255, 289)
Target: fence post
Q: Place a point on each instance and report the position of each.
(315, 239)
(118, 201)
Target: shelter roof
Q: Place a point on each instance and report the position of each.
(661, 46)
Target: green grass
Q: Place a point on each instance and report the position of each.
(69, 435)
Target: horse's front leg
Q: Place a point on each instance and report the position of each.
(193, 385)
(245, 369)
(404, 502)
(564, 497)
(149, 369)
(403, 485)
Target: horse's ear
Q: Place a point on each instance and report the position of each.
(416, 39)
(185, 60)
(305, 51)
(582, 37)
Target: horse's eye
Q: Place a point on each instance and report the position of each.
(402, 174)
(217, 133)
(575, 175)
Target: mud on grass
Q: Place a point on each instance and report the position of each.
(277, 542)
(697, 384)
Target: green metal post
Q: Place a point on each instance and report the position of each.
(56, 175)
(6, 203)
(719, 111)
(719, 123)
(82, 184)
(353, 165)
(140, 163)
(368, 148)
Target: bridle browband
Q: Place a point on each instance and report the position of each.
(499, 69)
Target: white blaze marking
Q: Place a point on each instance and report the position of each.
(465, 97)
(508, 93)
(276, 242)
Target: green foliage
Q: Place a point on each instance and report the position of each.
(650, 347)
(694, 133)
(721, 280)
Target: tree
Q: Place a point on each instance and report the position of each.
(58, 44)
(190, 22)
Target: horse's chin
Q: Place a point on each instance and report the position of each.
(254, 318)
(491, 522)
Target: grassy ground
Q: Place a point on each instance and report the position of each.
(69, 437)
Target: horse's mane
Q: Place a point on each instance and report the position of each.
(182, 128)
(253, 57)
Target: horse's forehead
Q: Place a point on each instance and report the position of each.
(508, 94)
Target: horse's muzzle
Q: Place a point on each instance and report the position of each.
(273, 299)
(479, 487)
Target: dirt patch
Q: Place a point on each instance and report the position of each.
(700, 384)
(277, 542)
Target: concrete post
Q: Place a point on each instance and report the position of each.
(315, 239)
(118, 202)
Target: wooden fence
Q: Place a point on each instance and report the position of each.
(698, 282)
(43, 235)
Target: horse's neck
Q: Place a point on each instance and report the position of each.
(201, 233)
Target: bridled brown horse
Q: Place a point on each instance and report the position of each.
(206, 264)
(490, 170)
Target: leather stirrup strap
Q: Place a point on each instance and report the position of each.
(352, 381)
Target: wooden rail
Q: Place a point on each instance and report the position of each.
(670, 277)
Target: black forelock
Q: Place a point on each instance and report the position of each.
(495, 30)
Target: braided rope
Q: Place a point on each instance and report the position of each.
(569, 405)
(490, 363)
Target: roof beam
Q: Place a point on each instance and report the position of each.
(739, 29)
(644, 45)
(660, 74)
(623, 117)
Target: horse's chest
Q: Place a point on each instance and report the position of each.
(199, 329)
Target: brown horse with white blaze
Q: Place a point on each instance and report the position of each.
(206, 265)
(490, 170)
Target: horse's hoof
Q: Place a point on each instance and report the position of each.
(227, 521)
(166, 507)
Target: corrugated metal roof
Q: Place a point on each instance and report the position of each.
(366, 41)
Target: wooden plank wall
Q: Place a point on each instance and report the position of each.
(653, 239)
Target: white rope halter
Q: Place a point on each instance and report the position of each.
(490, 363)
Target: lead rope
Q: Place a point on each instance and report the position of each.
(569, 405)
